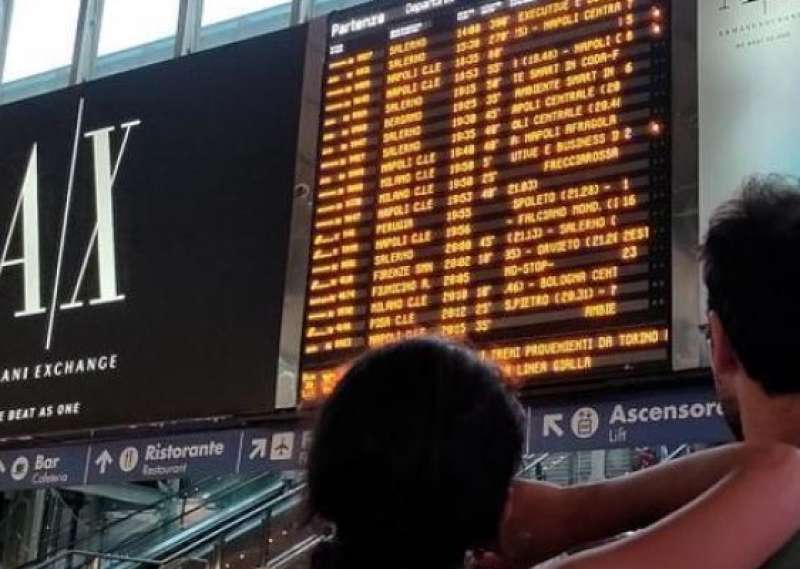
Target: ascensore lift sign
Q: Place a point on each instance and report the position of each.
(140, 266)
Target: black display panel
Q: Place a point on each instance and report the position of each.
(496, 172)
(161, 295)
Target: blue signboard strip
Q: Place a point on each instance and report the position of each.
(42, 467)
(691, 415)
(191, 455)
(164, 457)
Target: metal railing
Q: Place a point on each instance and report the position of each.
(223, 530)
(677, 453)
(206, 538)
(110, 526)
(94, 559)
(531, 463)
(302, 548)
(100, 533)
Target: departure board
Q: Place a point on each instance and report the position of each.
(496, 172)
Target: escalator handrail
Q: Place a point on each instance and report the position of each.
(110, 525)
(533, 464)
(235, 522)
(676, 452)
(42, 562)
(293, 553)
(197, 533)
(181, 554)
(92, 555)
(165, 523)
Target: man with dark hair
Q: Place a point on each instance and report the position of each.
(751, 260)
(751, 267)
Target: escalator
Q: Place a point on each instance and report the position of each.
(227, 523)
(121, 520)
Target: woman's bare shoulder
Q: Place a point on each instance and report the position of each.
(559, 562)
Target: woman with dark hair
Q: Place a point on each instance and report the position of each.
(413, 456)
(413, 460)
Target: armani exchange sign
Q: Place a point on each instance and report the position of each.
(25, 225)
(143, 240)
(38, 281)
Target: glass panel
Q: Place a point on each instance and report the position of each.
(136, 33)
(200, 514)
(246, 548)
(289, 527)
(223, 21)
(41, 38)
(219, 10)
(324, 6)
(130, 23)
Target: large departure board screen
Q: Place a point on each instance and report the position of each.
(496, 172)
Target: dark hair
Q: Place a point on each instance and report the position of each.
(751, 261)
(413, 457)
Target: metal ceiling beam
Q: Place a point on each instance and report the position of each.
(190, 19)
(301, 11)
(6, 8)
(87, 37)
(130, 493)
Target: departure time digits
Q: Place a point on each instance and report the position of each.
(496, 174)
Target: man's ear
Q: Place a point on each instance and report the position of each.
(723, 357)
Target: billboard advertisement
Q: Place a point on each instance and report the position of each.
(749, 93)
(144, 236)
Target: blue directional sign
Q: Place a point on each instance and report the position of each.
(196, 455)
(689, 415)
(179, 456)
(274, 449)
(43, 467)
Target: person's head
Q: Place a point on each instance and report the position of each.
(413, 456)
(751, 258)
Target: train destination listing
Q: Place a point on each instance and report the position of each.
(496, 172)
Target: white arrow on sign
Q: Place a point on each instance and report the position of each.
(103, 461)
(551, 425)
(259, 449)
